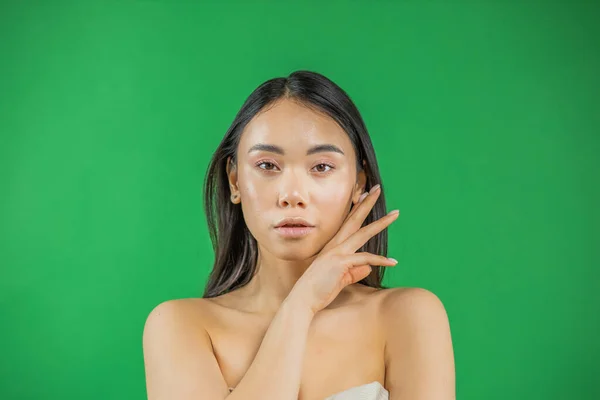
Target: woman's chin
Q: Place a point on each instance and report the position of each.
(296, 253)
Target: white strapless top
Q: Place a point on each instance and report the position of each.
(368, 391)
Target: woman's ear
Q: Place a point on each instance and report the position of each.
(231, 169)
(361, 182)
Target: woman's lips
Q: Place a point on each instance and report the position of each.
(294, 231)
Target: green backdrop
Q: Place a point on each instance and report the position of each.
(485, 120)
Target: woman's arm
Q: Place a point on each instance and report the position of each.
(419, 355)
(180, 363)
(276, 371)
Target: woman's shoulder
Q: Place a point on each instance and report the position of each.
(193, 309)
(196, 314)
(406, 294)
(178, 306)
(183, 313)
(418, 342)
(400, 301)
(406, 311)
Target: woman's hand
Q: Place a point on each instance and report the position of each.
(338, 265)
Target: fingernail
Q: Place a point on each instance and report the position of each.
(393, 260)
(374, 188)
(362, 196)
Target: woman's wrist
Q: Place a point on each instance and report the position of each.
(298, 306)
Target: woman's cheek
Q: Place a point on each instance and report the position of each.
(333, 202)
(248, 192)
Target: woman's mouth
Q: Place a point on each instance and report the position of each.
(293, 231)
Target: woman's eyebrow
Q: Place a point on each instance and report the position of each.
(320, 148)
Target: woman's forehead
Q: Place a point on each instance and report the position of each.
(294, 127)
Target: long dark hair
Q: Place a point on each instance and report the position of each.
(236, 250)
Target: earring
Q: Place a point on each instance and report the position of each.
(234, 197)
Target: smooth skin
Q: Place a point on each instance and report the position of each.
(302, 328)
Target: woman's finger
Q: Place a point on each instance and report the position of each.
(362, 236)
(375, 190)
(356, 217)
(365, 258)
(359, 273)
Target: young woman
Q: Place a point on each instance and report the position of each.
(294, 307)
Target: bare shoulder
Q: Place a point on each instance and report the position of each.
(179, 319)
(406, 311)
(179, 312)
(178, 356)
(402, 301)
(419, 354)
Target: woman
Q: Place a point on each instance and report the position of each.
(294, 307)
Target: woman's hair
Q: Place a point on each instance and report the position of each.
(236, 250)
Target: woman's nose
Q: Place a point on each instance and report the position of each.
(291, 192)
(291, 198)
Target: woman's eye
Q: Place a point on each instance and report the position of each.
(268, 164)
(319, 167)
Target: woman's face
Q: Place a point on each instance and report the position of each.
(293, 162)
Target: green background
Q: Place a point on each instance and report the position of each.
(484, 117)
